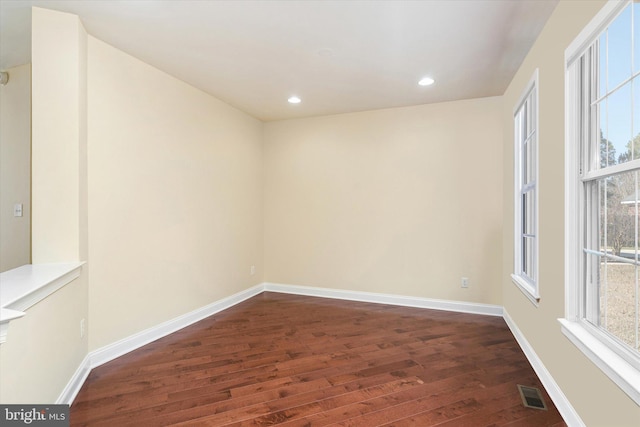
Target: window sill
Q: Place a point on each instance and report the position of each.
(615, 367)
(25, 286)
(525, 288)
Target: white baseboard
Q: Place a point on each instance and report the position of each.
(565, 408)
(405, 301)
(75, 383)
(133, 342)
(124, 346)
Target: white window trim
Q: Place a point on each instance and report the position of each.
(530, 290)
(594, 344)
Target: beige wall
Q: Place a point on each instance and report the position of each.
(57, 80)
(402, 201)
(175, 196)
(44, 348)
(15, 168)
(598, 401)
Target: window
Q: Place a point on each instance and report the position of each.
(525, 261)
(602, 188)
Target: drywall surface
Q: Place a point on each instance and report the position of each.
(15, 168)
(598, 401)
(174, 196)
(44, 348)
(402, 201)
(57, 87)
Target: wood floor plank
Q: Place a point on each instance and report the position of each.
(390, 403)
(432, 398)
(293, 360)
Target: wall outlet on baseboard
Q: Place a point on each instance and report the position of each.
(252, 270)
(82, 328)
(464, 282)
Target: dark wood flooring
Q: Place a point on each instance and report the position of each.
(302, 361)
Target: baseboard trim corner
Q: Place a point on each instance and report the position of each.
(565, 408)
(75, 383)
(406, 301)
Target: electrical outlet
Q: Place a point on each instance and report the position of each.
(252, 270)
(82, 328)
(464, 282)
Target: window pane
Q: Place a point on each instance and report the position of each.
(531, 148)
(636, 36)
(619, 122)
(516, 127)
(619, 49)
(618, 192)
(636, 116)
(532, 112)
(617, 302)
(602, 65)
(616, 288)
(528, 212)
(528, 162)
(525, 164)
(607, 150)
(528, 256)
(526, 125)
(603, 190)
(525, 132)
(595, 267)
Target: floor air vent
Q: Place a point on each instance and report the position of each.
(531, 397)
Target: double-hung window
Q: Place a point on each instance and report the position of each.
(525, 262)
(602, 187)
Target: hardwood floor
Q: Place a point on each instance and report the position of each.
(302, 361)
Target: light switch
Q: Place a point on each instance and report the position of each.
(17, 209)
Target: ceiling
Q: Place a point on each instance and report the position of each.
(337, 56)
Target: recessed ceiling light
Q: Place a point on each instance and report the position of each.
(294, 100)
(426, 81)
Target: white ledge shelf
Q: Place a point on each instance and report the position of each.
(25, 286)
(7, 316)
